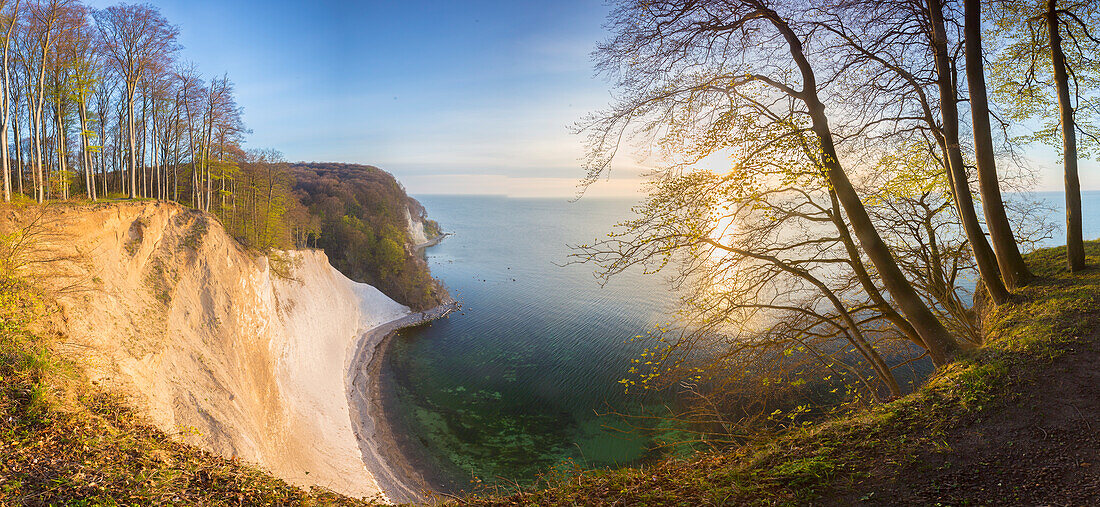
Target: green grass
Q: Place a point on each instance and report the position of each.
(1053, 312)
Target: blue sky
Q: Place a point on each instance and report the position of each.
(459, 96)
(469, 96)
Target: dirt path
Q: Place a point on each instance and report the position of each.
(1041, 449)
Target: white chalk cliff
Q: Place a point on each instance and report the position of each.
(415, 228)
(210, 343)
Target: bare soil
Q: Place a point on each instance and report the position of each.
(1042, 447)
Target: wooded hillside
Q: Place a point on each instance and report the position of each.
(362, 224)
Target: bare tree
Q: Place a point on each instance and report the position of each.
(67, 67)
(191, 94)
(84, 60)
(16, 104)
(39, 41)
(755, 56)
(1011, 263)
(104, 90)
(12, 19)
(135, 37)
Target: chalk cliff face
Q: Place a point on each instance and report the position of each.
(209, 341)
(415, 228)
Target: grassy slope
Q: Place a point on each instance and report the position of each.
(902, 451)
(63, 441)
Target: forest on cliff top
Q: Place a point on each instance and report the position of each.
(99, 103)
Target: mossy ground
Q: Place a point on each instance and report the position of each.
(946, 442)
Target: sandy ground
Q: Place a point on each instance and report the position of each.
(159, 303)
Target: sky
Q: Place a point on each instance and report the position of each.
(470, 96)
(451, 97)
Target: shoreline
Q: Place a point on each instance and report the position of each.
(432, 242)
(382, 456)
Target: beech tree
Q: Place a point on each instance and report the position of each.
(903, 64)
(84, 60)
(104, 90)
(1075, 247)
(949, 117)
(39, 41)
(99, 91)
(16, 107)
(1011, 262)
(224, 128)
(1048, 71)
(262, 199)
(135, 37)
(11, 19)
(66, 70)
(742, 57)
(192, 95)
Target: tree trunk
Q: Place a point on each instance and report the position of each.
(964, 201)
(47, 157)
(176, 158)
(6, 114)
(6, 104)
(864, 276)
(62, 163)
(194, 169)
(85, 156)
(207, 153)
(18, 146)
(133, 143)
(941, 345)
(1075, 245)
(146, 188)
(151, 142)
(102, 154)
(36, 122)
(1011, 263)
(221, 179)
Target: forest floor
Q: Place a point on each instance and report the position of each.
(1016, 422)
(1041, 448)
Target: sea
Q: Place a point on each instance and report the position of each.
(524, 380)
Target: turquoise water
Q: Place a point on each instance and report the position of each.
(512, 385)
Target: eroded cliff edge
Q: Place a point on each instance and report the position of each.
(210, 341)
